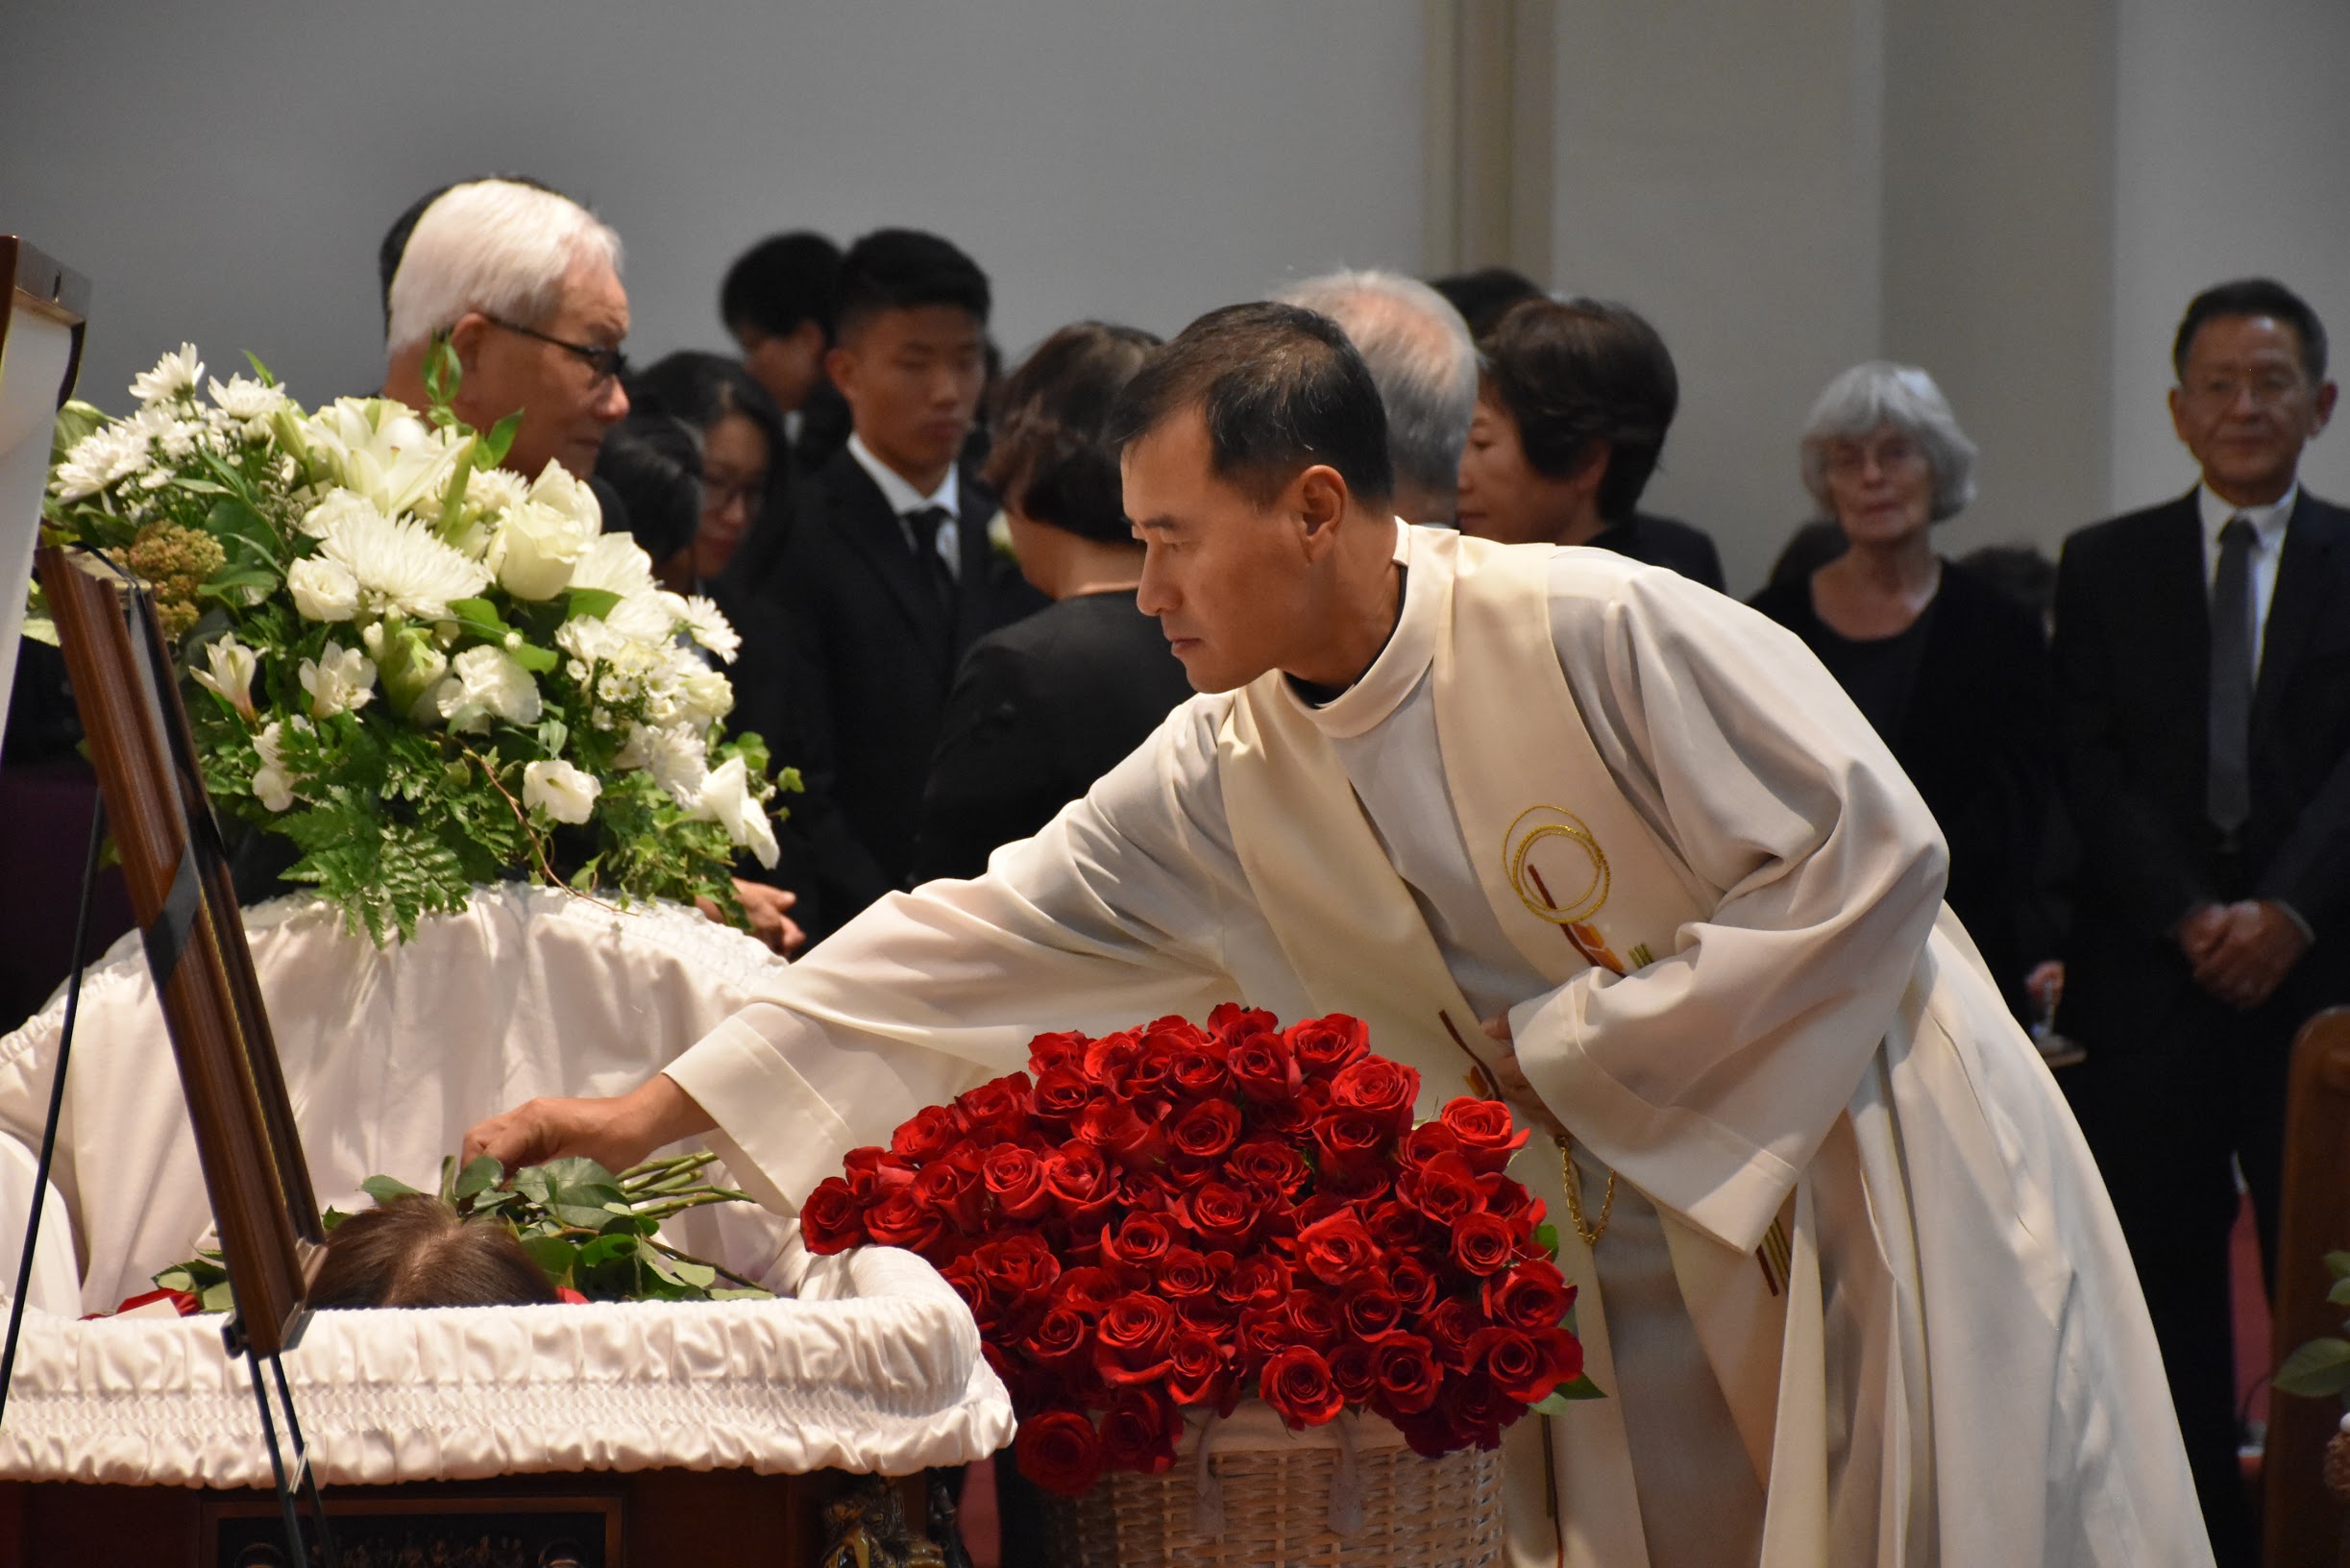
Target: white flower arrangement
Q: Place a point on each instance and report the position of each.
(425, 671)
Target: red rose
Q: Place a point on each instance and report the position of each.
(1371, 1311)
(1484, 1243)
(1365, 1185)
(1080, 1182)
(1386, 1090)
(1267, 1164)
(1566, 1353)
(1297, 1384)
(1337, 1249)
(1059, 1335)
(954, 1191)
(1061, 1096)
(1019, 1266)
(1256, 1280)
(874, 1171)
(1210, 1315)
(1265, 1069)
(1196, 1368)
(1086, 1292)
(1200, 1072)
(1324, 1045)
(1350, 1369)
(1130, 1341)
(1014, 1180)
(1484, 1129)
(1349, 1140)
(928, 1133)
(1059, 1450)
(903, 1219)
(1231, 1023)
(1185, 1272)
(832, 1219)
(1395, 1226)
(1413, 1283)
(1449, 1327)
(1409, 1378)
(1476, 1410)
(1175, 1033)
(1522, 1367)
(1207, 1128)
(1265, 1332)
(1292, 1119)
(1444, 1190)
(1426, 1141)
(1532, 1296)
(1314, 1319)
(1109, 1059)
(1141, 1242)
(1186, 1171)
(998, 1108)
(1067, 1049)
(1122, 1136)
(1138, 1431)
(1220, 1216)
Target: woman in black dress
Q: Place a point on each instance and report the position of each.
(1043, 708)
(1951, 672)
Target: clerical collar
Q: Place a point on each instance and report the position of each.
(897, 490)
(1379, 689)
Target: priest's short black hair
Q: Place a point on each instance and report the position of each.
(904, 269)
(1280, 388)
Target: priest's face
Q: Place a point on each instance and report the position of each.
(1232, 580)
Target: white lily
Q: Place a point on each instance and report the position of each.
(228, 675)
(725, 798)
(341, 681)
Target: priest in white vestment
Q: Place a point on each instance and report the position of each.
(1553, 819)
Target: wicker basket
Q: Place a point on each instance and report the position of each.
(1275, 1494)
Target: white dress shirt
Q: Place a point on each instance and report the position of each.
(2267, 543)
(904, 499)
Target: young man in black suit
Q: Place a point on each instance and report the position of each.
(889, 575)
(2202, 658)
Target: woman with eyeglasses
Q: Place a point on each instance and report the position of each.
(737, 434)
(1952, 674)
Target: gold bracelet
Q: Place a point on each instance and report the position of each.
(1583, 1228)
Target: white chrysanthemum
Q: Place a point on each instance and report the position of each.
(486, 683)
(230, 669)
(726, 797)
(492, 490)
(339, 681)
(335, 508)
(677, 757)
(322, 590)
(593, 640)
(109, 453)
(246, 399)
(173, 375)
(616, 564)
(707, 624)
(565, 793)
(558, 488)
(400, 565)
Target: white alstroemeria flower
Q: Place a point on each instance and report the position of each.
(486, 683)
(341, 681)
(272, 785)
(565, 793)
(725, 798)
(400, 565)
(617, 564)
(322, 590)
(228, 675)
(535, 548)
(109, 453)
(557, 487)
(707, 624)
(173, 375)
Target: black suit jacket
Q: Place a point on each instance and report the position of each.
(2133, 666)
(1039, 711)
(1664, 541)
(871, 651)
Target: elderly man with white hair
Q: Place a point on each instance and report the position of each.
(1425, 366)
(525, 284)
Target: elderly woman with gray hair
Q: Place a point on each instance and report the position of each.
(1952, 673)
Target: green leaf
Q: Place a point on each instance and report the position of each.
(1582, 1388)
(501, 439)
(1546, 1237)
(740, 1292)
(534, 658)
(2337, 1263)
(41, 630)
(232, 518)
(2339, 1295)
(479, 617)
(598, 602)
(554, 1255)
(553, 733)
(2318, 1368)
(75, 423)
(479, 1175)
(259, 369)
(218, 1298)
(384, 1188)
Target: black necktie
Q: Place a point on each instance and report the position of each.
(925, 523)
(2228, 792)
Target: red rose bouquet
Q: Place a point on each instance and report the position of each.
(1172, 1217)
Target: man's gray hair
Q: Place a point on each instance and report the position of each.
(1882, 395)
(494, 246)
(1420, 355)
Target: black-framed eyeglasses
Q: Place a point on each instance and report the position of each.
(608, 364)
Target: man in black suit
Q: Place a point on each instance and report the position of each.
(889, 575)
(2202, 656)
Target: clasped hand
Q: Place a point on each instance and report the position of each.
(2240, 952)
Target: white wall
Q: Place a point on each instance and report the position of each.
(2234, 159)
(224, 172)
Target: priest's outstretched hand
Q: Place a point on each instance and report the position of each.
(616, 1133)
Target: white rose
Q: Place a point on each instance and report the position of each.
(230, 673)
(535, 548)
(617, 563)
(707, 695)
(565, 793)
(341, 681)
(726, 799)
(483, 684)
(322, 590)
(557, 488)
